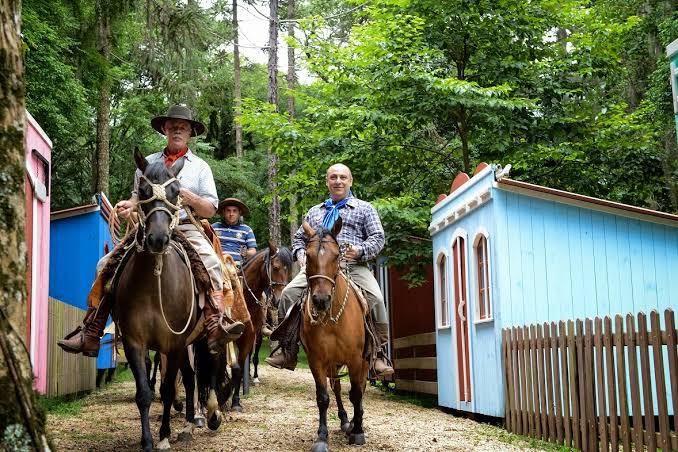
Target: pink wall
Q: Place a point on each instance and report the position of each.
(38, 156)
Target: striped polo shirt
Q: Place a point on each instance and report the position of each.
(233, 237)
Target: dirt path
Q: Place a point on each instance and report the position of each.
(280, 415)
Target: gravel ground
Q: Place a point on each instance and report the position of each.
(279, 415)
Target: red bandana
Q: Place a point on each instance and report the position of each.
(171, 158)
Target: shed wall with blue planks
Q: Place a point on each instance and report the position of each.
(549, 261)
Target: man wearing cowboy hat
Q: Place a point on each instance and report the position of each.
(236, 238)
(198, 192)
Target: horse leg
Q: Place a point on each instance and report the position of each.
(188, 378)
(177, 404)
(323, 401)
(213, 412)
(358, 376)
(156, 364)
(144, 396)
(168, 393)
(255, 358)
(343, 417)
(245, 344)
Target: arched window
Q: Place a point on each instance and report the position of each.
(443, 319)
(484, 304)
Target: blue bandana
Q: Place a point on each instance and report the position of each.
(332, 210)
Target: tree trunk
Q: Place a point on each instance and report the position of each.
(291, 108)
(22, 421)
(104, 110)
(274, 208)
(237, 94)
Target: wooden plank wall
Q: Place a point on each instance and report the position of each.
(66, 373)
(591, 383)
(415, 363)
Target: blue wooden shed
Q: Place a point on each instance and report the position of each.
(80, 237)
(509, 253)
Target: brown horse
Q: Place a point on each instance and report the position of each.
(155, 304)
(267, 272)
(333, 332)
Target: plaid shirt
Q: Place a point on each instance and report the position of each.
(361, 228)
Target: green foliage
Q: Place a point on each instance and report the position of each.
(61, 405)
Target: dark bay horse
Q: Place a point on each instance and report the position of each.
(155, 304)
(333, 332)
(267, 272)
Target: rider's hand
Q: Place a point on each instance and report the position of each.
(125, 208)
(188, 198)
(301, 259)
(353, 253)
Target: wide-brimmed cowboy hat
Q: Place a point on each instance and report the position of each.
(244, 211)
(178, 112)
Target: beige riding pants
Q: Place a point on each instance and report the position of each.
(202, 246)
(360, 274)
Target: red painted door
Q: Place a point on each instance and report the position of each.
(461, 319)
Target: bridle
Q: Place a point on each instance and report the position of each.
(268, 291)
(159, 194)
(314, 317)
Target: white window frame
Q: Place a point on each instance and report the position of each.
(482, 233)
(443, 322)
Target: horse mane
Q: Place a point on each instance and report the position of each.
(284, 254)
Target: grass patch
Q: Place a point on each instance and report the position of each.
(413, 398)
(123, 373)
(485, 431)
(69, 405)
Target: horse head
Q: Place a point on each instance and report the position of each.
(158, 202)
(278, 265)
(322, 263)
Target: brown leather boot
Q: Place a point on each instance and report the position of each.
(220, 327)
(85, 339)
(285, 356)
(381, 366)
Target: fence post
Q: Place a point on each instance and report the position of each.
(611, 383)
(634, 386)
(600, 383)
(662, 408)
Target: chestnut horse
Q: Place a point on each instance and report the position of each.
(333, 332)
(155, 304)
(267, 272)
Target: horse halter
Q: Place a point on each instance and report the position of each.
(340, 258)
(159, 194)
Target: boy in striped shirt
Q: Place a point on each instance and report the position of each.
(236, 238)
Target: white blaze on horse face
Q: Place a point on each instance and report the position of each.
(321, 252)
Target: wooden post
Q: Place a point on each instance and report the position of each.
(600, 383)
(562, 338)
(625, 430)
(611, 383)
(633, 380)
(572, 351)
(662, 407)
(647, 383)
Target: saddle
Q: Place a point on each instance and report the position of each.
(107, 279)
(289, 329)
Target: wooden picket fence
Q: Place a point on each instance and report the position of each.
(583, 385)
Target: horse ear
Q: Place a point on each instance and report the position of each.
(272, 248)
(141, 161)
(308, 229)
(177, 167)
(337, 227)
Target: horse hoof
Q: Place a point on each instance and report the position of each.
(256, 381)
(320, 446)
(237, 408)
(163, 445)
(356, 438)
(178, 405)
(215, 421)
(199, 422)
(346, 427)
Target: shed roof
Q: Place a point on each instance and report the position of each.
(539, 191)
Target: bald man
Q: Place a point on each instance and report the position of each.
(362, 231)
